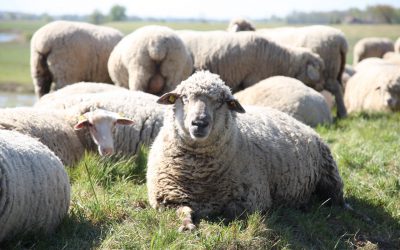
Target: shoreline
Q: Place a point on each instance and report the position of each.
(22, 88)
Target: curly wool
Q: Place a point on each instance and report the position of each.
(249, 162)
(34, 187)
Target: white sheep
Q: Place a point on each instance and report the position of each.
(243, 59)
(140, 107)
(397, 45)
(55, 129)
(151, 59)
(328, 42)
(290, 96)
(374, 88)
(240, 24)
(392, 57)
(371, 62)
(210, 159)
(371, 47)
(64, 52)
(34, 187)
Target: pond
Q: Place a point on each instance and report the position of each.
(7, 37)
(9, 99)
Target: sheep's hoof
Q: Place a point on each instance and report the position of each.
(187, 227)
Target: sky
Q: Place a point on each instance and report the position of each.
(207, 9)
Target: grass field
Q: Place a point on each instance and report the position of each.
(14, 56)
(109, 208)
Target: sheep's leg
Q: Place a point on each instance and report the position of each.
(335, 88)
(185, 213)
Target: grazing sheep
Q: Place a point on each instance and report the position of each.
(329, 43)
(371, 47)
(136, 105)
(290, 96)
(243, 59)
(66, 52)
(34, 187)
(209, 159)
(151, 59)
(55, 129)
(374, 88)
(240, 24)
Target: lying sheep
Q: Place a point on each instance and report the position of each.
(138, 106)
(243, 59)
(210, 159)
(329, 43)
(240, 24)
(371, 47)
(66, 52)
(151, 59)
(392, 57)
(290, 96)
(371, 62)
(374, 88)
(55, 129)
(34, 187)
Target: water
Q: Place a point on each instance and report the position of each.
(8, 99)
(7, 37)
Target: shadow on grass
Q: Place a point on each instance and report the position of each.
(325, 227)
(72, 233)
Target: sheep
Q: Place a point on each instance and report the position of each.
(138, 106)
(371, 62)
(397, 45)
(210, 159)
(34, 187)
(240, 24)
(55, 129)
(392, 57)
(328, 42)
(371, 47)
(243, 59)
(374, 88)
(290, 96)
(348, 72)
(151, 59)
(65, 52)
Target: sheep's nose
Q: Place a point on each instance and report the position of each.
(106, 151)
(200, 123)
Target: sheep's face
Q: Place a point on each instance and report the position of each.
(391, 95)
(201, 109)
(101, 124)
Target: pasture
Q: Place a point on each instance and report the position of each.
(109, 207)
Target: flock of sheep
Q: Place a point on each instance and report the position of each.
(209, 154)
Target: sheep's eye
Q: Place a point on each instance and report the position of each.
(90, 125)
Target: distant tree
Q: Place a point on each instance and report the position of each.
(382, 13)
(96, 17)
(46, 17)
(117, 13)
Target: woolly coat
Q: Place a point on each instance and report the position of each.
(34, 187)
(371, 47)
(52, 128)
(147, 52)
(136, 105)
(329, 43)
(249, 162)
(290, 96)
(374, 88)
(66, 52)
(243, 59)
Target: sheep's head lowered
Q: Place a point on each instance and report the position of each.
(390, 92)
(201, 106)
(101, 124)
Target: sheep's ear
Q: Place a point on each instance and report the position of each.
(124, 121)
(168, 98)
(81, 124)
(312, 72)
(234, 105)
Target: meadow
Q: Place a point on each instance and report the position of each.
(109, 207)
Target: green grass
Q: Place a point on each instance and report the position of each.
(14, 57)
(109, 208)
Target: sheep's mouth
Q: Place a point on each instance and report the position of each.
(197, 132)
